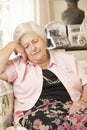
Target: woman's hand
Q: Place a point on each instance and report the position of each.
(19, 49)
(77, 106)
(81, 104)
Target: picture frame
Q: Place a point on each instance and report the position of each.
(56, 35)
(73, 32)
(77, 39)
(55, 39)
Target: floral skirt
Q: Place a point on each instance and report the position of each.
(49, 114)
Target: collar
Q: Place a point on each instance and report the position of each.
(52, 59)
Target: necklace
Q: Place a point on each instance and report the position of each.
(50, 81)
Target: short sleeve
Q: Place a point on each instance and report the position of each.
(11, 71)
(81, 72)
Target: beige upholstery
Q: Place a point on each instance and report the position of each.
(16, 128)
(6, 104)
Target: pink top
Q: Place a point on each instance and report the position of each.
(27, 80)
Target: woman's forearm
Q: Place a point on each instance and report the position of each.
(84, 94)
(5, 53)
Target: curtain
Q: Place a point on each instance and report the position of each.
(18, 11)
(24, 10)
(4, 22)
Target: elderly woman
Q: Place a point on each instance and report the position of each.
(50, 88)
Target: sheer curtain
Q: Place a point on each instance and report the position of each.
(23, 10)
(20, 11)
(4, 22)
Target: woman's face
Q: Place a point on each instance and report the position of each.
(35, 47)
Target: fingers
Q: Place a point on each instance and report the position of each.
(24, 56)
(23, 53)
(78, 106)
(72, 109)
(20, 49)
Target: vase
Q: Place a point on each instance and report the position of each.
(72, 15)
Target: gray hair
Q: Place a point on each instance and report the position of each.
(26, 27)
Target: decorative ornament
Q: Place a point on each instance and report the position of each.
(72, 15)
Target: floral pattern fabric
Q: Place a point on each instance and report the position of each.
(6, 104)
(49, 114)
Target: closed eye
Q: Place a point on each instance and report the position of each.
(34, 41)
(26, 46)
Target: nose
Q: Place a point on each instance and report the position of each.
(33, 48)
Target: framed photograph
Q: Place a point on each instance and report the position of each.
(56, 40)
(56, 35)
(73, 32)
(77, 39)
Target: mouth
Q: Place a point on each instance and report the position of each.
(36, 52)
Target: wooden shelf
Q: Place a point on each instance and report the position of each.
(76, 48)
(72, 48)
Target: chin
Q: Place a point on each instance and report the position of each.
(36, 59)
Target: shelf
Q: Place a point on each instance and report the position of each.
(76, 48)
(72, 48)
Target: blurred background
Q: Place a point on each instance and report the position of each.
(12, 12)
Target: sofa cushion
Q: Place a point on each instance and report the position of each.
(6, 104)
(16, 128)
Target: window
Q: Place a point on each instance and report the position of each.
(12, 12)
(4, 22)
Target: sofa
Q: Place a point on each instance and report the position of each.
(6, 104)
(6, 107)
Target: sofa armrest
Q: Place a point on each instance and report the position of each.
(6, 104)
